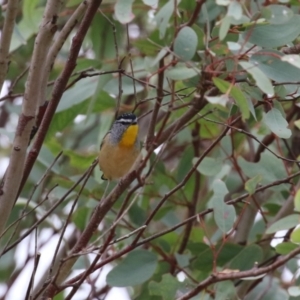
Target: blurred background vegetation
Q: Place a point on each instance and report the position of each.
(215, 86)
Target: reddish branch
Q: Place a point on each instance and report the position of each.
(193, 204)
(59, 88)
(195, 14)
(268, 139)
(237, 275)
(136, 244)
(160, 95)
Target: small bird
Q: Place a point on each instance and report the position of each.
(120, 147)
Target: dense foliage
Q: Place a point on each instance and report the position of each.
(212, 210)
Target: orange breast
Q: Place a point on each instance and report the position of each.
(116, 161)
(129, 137)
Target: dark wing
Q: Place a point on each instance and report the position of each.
(103, 177)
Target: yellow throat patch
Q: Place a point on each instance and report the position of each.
(129, 136)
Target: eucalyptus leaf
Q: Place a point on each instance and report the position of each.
(180, 72)
(297, 201)
(261, 80)
(285, 248)
(295, 235)
(251, 184)
(209, 166)
(166, 288)
(137, 267)
(225, 290)
(294, 291)
(273, 35)
(293, 59)
(112, 86)
(152, 3)
(224, 214)
(123, 11)
(270, 289)
(247, 258)
(163, 16)
(185, 44)
(284, 223)
(226, 87)
(271, 64)
(277, 124)
(235, 10)
(277, 14)
(269, 167)
(225, 25)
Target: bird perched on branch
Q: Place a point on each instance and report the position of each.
(120, 147)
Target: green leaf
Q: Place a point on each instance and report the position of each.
(71, 3)
(284, 224)
(225, 25)
(31, 14)
(123, 11)
(28, 26)
(183, 260)
(271, 64)
(292, 59)
(209, 166)
(185, 44)
(192, 82)
(285, 248)
(234, 47)
(204, 254)
(295, 235)
(273, 35)
(297, 201)
(227, 253)
(239, 97)
(104, 48)
(80, 217)
(64, 118)
(201, 37)
(112, 87)
(261, 80)
(137, 215)
(221, 100)
(146, 47)
(247, 258)
(152, 3)
(277, 124)
(163, 16)
(277, 14)
(225, 290)
(136, 268)
(166, 288)
(81, 91)
(269, 167)
(224, 214)
(270, 288)
(210, 11)
(297, 123)
(185, 163)
(80, 161)
(223, 2)
(235, 10)
(251, 184)
(180, 72)
(204, 260)
(46, 158)
(294, 291)
(86, 63)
